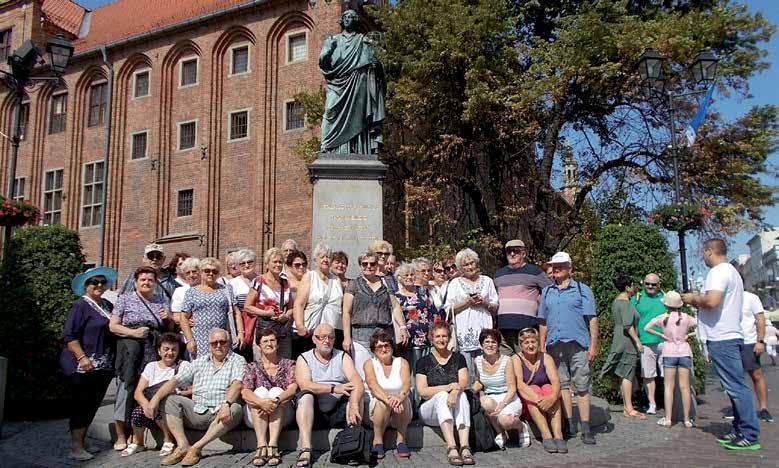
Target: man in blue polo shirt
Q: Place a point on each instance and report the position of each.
(569, 333)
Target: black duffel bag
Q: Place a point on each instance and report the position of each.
(352, 446)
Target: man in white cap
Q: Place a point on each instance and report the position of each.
(569, 333)
(154, 257)
(519, 286)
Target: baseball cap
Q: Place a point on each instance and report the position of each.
(514, 243)
(153, 248)
(560, 257)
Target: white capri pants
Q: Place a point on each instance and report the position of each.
(435, 411)
(262, 392)
(512, 409)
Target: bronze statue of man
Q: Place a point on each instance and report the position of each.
(354, 109)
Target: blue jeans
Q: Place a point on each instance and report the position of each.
(726, 357)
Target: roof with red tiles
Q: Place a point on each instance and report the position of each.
(64, 14)
(127, 18)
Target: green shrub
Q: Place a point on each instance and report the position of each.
(635, 250)
(38, 265)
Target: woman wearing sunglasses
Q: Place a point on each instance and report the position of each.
(369, 306)
(297, 266)
(87, 360)
(209, 305)
(269, 299)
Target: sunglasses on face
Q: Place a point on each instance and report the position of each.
(217, 343)
(247, 263)
(514, 251)
(210, 271)
(368, 264)
(299, 265)
(438, 270)
(325, 337)
(449, 268)
(650, 285)
(96, 282)
(383, 254)
(155, 256)
(383, 346)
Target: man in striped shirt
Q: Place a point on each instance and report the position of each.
(519, 286)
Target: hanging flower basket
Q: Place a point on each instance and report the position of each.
(18, 213)
(682, 217)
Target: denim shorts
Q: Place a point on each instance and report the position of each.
(684, 361)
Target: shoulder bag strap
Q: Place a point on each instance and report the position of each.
(159, 324)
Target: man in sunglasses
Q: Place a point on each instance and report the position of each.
(215, 407)
(519, 286)
(154, 257)
(649, 304)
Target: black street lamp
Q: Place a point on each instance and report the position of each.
(703, 70)
(22, 64)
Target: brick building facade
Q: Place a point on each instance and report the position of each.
(190, 102)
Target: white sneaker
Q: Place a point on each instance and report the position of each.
(132, 449)
(500, 441)
(652, 409)
(82, 455)
(167, 449)
(524, 435)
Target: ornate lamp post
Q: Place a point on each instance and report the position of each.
(22, 64)
(703, 71)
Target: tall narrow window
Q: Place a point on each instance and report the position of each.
(141, 84)
(186, 198)
(58, 113)
(187, 135)
(5, 44)
(240, 62)
(189, 72)
(295, 118)
(239, 125)
(52, 197)
(92, 194)
(297, 48)
(24, 120)
(139, 145)
(18, 189)
(97, 104)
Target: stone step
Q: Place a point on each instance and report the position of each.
(243, 438)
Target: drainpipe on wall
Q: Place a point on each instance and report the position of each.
(107, 153)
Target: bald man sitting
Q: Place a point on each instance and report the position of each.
(331, 390)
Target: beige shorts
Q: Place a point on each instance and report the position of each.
(372, 407)
(649, 360)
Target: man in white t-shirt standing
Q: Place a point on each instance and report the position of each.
(753, 325)
(719, 317)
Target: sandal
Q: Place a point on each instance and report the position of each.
(454, 460)
(304, 463)
(688, 424)
(261, 457)
(167, 449)
(273, 456)
(378, 451)
(467, 459)
(665, 422)
(132, 449)
(634, 415)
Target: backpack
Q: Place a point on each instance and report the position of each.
(482, 435)
(351, 446)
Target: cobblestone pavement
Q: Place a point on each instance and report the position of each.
(621, 442)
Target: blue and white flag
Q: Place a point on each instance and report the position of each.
(691, 131)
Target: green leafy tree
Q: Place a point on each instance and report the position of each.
(635, 250)
(38, 266)
(482, 96)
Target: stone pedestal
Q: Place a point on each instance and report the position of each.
(348, 203)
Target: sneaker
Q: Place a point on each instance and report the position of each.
(81, 455)
(562, 447)
(729, 437)
(524, 435)
(588, 438)
(500, 441)
(742, 444)
(652, 409)
(728, 414)
(765, 416)
(549, 445)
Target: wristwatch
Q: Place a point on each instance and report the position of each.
(332, 388)
(761, 342)
(228, 402)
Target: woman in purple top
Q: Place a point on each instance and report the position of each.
(268, 387)
(539, 387)
(87, 360)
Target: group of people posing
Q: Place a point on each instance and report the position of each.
(395, 342)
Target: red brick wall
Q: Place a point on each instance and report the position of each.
(238, 188)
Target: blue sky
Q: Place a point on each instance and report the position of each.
(763, 90)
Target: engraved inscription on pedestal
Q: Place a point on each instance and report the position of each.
(347, 216)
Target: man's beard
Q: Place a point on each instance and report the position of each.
(325, 350)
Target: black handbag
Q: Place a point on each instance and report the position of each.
(351, 446)
(149, 392)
